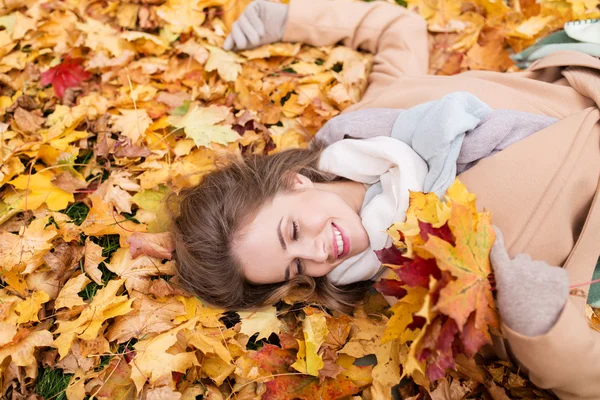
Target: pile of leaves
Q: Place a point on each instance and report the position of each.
(106, 107)
(445, 303)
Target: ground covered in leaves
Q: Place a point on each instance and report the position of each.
(107, 106)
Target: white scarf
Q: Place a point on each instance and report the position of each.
(399, 169)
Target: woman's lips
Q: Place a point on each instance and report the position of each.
(345, 239)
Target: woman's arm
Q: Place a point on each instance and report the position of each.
(545, 327)
(565, 359)
(397, 37)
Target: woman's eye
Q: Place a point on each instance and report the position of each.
(298, 267)
(295, 230)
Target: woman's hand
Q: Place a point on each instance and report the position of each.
(531, 294)
(262, 22)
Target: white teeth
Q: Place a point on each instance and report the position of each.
(339, 240)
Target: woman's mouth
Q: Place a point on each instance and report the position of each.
(341, 243)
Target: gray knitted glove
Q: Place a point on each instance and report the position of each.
(262, 22)
(361, 124)
(531, 294)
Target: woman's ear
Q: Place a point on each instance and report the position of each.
(302, 182)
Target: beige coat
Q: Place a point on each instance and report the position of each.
(542, 191)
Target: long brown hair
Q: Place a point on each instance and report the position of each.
(209, 215)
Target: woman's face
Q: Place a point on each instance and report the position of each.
(308, 231)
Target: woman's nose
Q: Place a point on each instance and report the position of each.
(315, 250)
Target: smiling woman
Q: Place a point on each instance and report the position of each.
(307, 231)
(277, 221)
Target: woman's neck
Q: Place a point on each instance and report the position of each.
(352, 192)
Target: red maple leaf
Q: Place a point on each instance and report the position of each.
(391, 255)
(391, 287)
(69, 73)
(443, 232)
(418, 271)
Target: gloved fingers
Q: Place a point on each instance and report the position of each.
(327, 134)
(522, 259)
(249, 31)
(228, 45)
(241, 42)
(254, 17)
(498, 255)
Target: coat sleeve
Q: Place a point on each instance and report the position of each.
(565, 359)
(397, 37)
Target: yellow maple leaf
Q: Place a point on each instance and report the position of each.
(217, 369)
(103, 220)
(93, 257)
(9, 169)
(40, 190)
(105, 304)
(149, 316)
(199, 124)
(227, 64)
(22, 352)
(101, 36)
(403, 311)
(413, 367)
(264, 322)
(68, 296)
(146, 42)
(152, 361)
(26, 249)
(29, 308)
(389, 356)
(132, 124)
(181, 15)
(194, 308)
(314, 328)
(209, 341)
(532, 26)
(359, 375)
(137, 272)
(281, 50)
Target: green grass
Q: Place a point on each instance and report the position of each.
(52, 383)
(90, 290)
(109, 244)
(77, 212)
(83, 158)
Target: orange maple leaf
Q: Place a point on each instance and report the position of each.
(467, 261)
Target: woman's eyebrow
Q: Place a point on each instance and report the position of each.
(287, 273)
(280, 236)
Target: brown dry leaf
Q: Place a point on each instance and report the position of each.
(491, 55)
(93, 257)
(63, 257)
(449, 391)
(137, 272)
(114, 381)
(69, 182)
(27, 121)
(148, 316)
(27, 248)
(162, 288)
(22, 352)
(157, 245)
